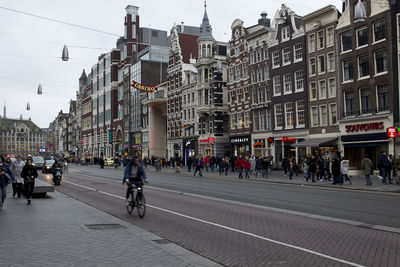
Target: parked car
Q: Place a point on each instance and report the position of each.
(108, 161)
(38, 161)
(47, 165)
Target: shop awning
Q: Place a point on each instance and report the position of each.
(315, 142)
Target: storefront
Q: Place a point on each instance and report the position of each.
(261, 146)
(285, 146)
(320, 146)
(241, 145)
(207, 146)
(190, 145)
(365, 137)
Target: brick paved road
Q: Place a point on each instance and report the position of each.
(53, 232)
(240, 235)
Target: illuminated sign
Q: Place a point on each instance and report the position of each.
(365, 127)
(240, 140)
(286, 139)
(258, 144)
(209, 140)
(391, 132)
(144, 88)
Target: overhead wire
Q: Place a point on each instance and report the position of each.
(58, 21)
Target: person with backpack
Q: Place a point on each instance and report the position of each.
(134, 172)
(29, 174)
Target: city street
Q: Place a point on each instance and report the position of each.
(238, 223)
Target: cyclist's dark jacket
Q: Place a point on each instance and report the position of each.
(140, 172)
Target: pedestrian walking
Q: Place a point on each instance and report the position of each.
(29, 174)
(391, 168)
(16, 168)
(305, 170)
(291, 169)
(312, 167)
(285, 165)
(239, 167)
(252, 164)
(247, 167)
(199, 166)
(383, 164)
(6, 177)
(366, 166)
(207, 162)
(344, 170)
(212, 163)
(336, 171)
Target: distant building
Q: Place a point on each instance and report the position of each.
(21, 137)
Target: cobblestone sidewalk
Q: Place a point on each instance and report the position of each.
(61, 231)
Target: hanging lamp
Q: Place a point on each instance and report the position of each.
(65, 56)
(39, 90)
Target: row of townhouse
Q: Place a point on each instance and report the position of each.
(325, 83)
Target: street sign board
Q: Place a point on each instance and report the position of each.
(42, 149)
(101, 148)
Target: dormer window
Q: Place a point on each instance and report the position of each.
(285, 34)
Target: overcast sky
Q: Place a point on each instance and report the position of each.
(30, 48)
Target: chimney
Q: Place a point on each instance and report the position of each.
(182, 27)
(264, 20)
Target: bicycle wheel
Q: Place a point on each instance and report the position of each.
(141, 204)
(131, 204)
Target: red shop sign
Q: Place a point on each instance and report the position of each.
(286, 139)
(365, 127)
(391, 132)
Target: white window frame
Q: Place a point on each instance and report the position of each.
(329, 87)
(310, 66)
(330, 114)
(321, 117)
(319, 47)
(373, 31)
(297, 114)
(316, 91)
(274, 85)
(299, 89)
(320, 64)
(295, 50)
(275, 55)
(359, 70)
(332, 42)
(311, 40)
(351, 80)
(375, 66)
(286, 116)
(320, 91)
(290, 84)
(313, 123)
(360, 29)
(328, 61)
(275, 115)
(285, 34)
(288, 50)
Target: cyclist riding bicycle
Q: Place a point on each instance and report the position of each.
(134, 173)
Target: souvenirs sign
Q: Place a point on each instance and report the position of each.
(144, 88)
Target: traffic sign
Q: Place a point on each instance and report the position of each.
(84, 140)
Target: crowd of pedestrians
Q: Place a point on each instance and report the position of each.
(18, 173)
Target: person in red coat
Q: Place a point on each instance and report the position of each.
(239, 166)
(247, 166)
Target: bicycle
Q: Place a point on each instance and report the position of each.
(139, 201)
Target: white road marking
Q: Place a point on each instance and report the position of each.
(80, 185)
(298, 213)
(233, 229)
